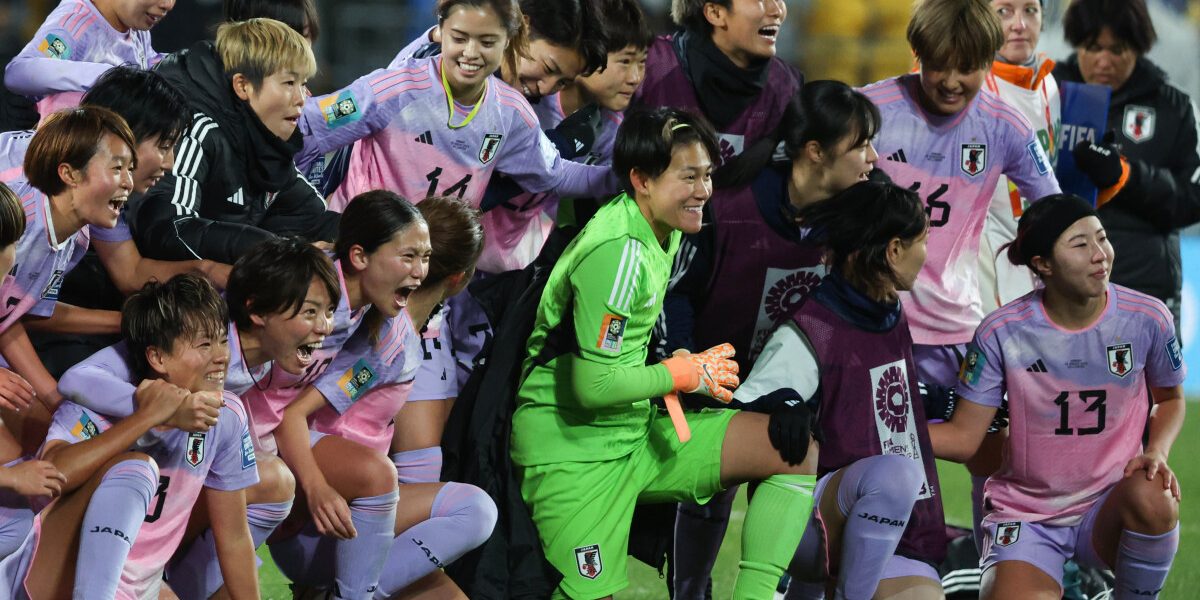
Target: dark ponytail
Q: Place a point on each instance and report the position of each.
(857, 224)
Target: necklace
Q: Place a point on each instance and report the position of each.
(450, 100)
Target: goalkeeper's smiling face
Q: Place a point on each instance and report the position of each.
(675, 199)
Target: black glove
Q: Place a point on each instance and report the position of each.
(1100, 162)
(576, 134)
(939, 401)
(790, 425)
(500, 189)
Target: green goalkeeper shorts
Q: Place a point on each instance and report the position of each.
(583, 510)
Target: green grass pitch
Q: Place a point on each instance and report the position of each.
(646, 584)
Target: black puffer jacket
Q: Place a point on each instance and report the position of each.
(1156, 130)
(234, 184)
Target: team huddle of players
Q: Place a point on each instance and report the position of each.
(730, 226)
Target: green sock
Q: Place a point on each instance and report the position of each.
(775, 522)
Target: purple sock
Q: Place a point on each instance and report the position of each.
(306, 558)
(461, 520)
(423, 465)
(197, 574)
(1143, 562)
(876, 495)
(977, 510)
(699, 531)
(16, 519)
(360, 559)
(110, 525)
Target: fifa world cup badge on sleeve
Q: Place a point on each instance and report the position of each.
(248, 458)
(588, 559)
(1175, 354)
(340, 109)
(55, 47)
(1007, 534)
(972, 366)
(356, 379)
(612, 331)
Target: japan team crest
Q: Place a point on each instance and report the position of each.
(194, 455)
(974, 159)
(491, 143)
(1120, 359)
(1138, 123)
(1007, 534)
(588, 559)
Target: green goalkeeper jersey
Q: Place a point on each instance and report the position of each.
(586, 393)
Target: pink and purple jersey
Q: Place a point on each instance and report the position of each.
(518, 228)
(1077, 399)
(954, 162)
(436, 379)
(108, 370)
(73, 47)
(42, 261)
(407, 140)
(221, 459)
(408, 51)
(368, 383)
(269, 397)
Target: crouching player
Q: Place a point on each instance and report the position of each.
(123, 513)
(586, 440)
(356, 399)
(281, 298)
(878, 527)
(1077, 360)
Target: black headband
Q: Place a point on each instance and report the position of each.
(1058, 212)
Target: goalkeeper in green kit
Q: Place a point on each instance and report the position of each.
(587, 442)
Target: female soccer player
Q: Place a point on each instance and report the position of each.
(566, 40)
(457, 237)
(352, 406)
(753, 266)
(489, 126)
(878, 527)
(80, 164)
(382, 254)
(281, 299)
(80, 40)
(519, 222)
(587, 442)
(18, 477)
(949, 140)
(124, 515)
(236, 183)
(1077, 360)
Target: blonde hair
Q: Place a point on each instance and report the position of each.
(955, 34)
(259, 48)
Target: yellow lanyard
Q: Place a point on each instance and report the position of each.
(450, 100)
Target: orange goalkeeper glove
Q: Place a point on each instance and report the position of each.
(711, 372)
